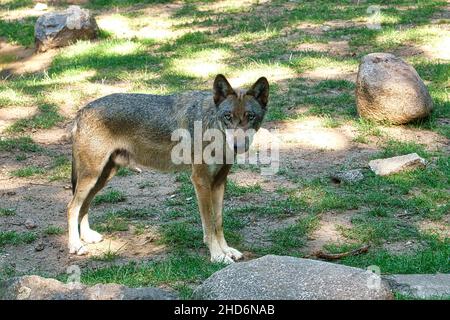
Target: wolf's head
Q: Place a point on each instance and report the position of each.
(240, 112)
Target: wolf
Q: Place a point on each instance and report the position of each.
(131, 130)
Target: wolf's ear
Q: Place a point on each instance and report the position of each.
(221, 89)
(260, 90)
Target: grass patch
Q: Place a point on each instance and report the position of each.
(16, 238)
(18, 32)
(110, 196)
(24, 144)
(291, 239)
(53, 230)
(28, 172)
(394, 148)
(47, 118)
(111, 222)
(61, 169)
(108, 256)
(432, 259)
(377, 230)
(124, 172)
(182, 235)
(7, 212)
(234, 190)
(176, 271)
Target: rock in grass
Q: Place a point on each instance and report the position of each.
(350, 176)
(388, 89)
(281, 277)
(421, 286)
(384, 167)
(58, 29)
(38, 288)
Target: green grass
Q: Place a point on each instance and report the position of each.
(431, 259)
(108, 256)
(16, 238)
(53, 230)
(61, 169)
(234, 190)
(182, 235)
(28, 172)
(110, 223)
(290, 239)
(21, 157)
(47, 118)
(377, 230)
(24, 144)
(173, 271)
(119, 220)
(18, 32)
(394, 148)
(109, 196)
(7, 212)
(124, 172)
(400, 296)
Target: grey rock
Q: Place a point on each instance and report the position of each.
(58, 29)
(30, 224)
(421, 285)
(39, 288)
(384, 167)
(350, 176)
(282, 278)
(389, 89)
(39, 246)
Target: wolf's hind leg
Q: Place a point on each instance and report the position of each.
(217, 200)
(84, 185)
(87, 234)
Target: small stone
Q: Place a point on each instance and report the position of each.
(384, 167)
(40, 6)
(30, 224)
(39, 247)
(350, 176)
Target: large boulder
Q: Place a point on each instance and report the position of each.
(388, 89)
(38, 288)
(422, 286)
(282, 277)
(58, 29)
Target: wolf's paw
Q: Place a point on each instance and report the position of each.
(233, 253)
(222, 258)
(78, 249)
(91, 236)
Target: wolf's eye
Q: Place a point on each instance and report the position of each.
(250, 116)
(228, 117)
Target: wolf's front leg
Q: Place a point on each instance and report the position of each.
(202, 184)
(218, 192)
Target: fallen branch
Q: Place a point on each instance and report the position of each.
(336, 256)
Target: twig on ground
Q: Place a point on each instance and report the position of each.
(335, 256)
